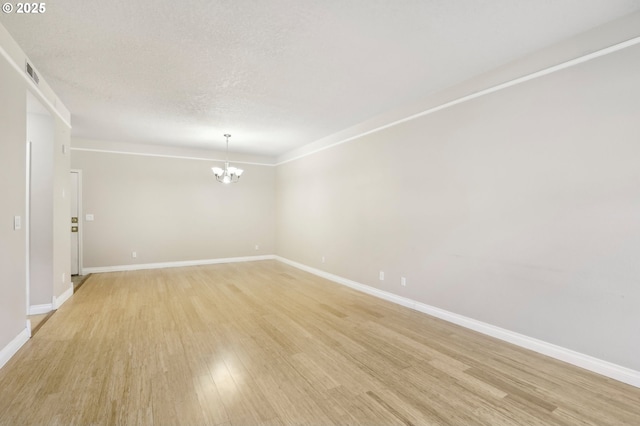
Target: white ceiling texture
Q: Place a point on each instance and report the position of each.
(276, 74)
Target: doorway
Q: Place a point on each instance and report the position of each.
(75, 225)
(39, 208)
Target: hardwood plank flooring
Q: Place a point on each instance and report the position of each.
(262, 343)
(38, 320)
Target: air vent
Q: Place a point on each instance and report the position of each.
(32, 73)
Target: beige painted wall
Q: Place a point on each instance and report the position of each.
(13, 125)
(171, 209)
(40, 132)
(519, 209)
(61, 210)
(13, 137)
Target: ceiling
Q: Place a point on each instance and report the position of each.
(276, 74)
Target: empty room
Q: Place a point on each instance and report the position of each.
(309, 212)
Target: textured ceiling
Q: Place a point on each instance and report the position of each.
(276, 74)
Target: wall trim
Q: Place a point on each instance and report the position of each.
(181, 263)
(40, 309)
(10, 350)
(59, 301)
(181, 157)
(596, 365)
(549, 70)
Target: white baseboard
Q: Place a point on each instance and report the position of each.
(10, 350)
(119, 268)
(605, 368)
(40, 309)
(58, 301)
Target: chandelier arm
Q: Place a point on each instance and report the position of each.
(228, 174)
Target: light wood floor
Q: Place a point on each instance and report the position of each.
(263, 343)
(37, 321)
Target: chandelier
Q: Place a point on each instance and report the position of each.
(229, 174)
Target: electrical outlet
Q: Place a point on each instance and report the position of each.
(134, 254)
(403, 281)
(381, 275)
(64, 277)
(257, 247)
(322, 259)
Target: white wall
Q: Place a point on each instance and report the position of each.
(519, 209)
(170, 209)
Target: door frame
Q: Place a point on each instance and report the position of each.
(27, 228)
(80, 220)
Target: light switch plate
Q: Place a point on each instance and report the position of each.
(88, 218)
(17, 223)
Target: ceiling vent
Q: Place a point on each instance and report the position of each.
(32, 73)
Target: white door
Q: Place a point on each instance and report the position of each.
(75, 224)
